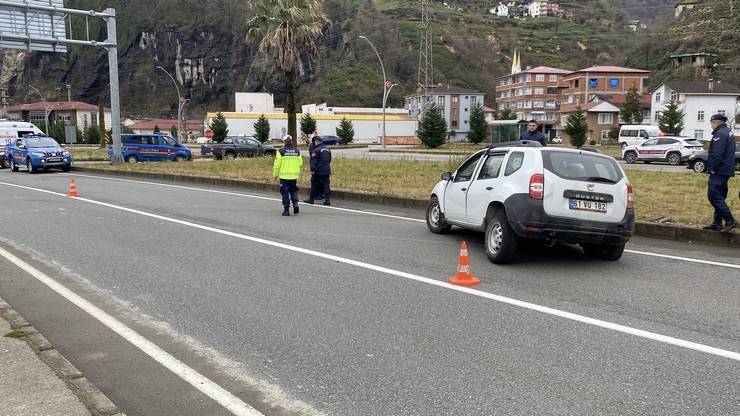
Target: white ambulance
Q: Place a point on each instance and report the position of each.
(12, 130)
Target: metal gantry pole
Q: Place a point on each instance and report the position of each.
(115, 106)
(385, 81)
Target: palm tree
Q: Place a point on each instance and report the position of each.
(287, 30)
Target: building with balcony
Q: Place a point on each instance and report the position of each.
(583, 85)
(534, 93)
(455, 104)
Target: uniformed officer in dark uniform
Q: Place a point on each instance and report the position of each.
(721, 167)
(534, 134)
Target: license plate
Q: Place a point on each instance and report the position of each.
(582, 205)
(54, 160)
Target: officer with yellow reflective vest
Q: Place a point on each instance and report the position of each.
(287, 168)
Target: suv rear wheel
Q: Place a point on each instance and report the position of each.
(132, 159)
(230, 156)
(603, 252)
(435, 218)
(630, 157)
(674, 158)
(501, 241)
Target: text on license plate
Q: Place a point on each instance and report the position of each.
(583, 205)
(54, 159)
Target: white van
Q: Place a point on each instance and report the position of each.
(11, 130)
(635, 135)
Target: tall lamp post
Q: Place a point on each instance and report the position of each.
(387, 85)
(46, 108)
(180, 102)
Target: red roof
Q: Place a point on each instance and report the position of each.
(55, 106)
(546, 70)
(488, 110)
(569, 108)
(166, 124)
(608, 68)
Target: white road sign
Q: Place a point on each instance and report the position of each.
(35, 30)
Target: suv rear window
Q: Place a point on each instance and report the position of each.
(582, 166)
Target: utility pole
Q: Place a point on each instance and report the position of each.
(115, 108)
(69, 93)
(180, 102)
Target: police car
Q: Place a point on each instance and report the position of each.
(37, 152)
(672, 149)
(520, 190)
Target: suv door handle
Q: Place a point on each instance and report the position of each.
(489, 188)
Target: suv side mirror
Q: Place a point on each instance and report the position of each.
(447, 176)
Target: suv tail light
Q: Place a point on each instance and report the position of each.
(630, 196)
(537, 186)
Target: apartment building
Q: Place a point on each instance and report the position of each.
(455, 104)
(534, 93)
(583, 85)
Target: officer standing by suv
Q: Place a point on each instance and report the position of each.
(533, 134)
(321, 173)
(721, 167)
(287, 168)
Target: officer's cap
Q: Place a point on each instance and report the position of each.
(719, 117)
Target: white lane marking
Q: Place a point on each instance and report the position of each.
(699, 261)
(486, 295)
(264, 198)
(195, 379)
(190, 188)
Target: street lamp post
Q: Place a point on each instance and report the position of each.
(46, 108)
(386, 89)
(179, 99)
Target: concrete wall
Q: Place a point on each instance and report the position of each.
(368, 128)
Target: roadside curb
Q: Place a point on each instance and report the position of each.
(424, 152)
(93, 399)
(642, 229)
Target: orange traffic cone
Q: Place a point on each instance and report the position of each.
(72, 188)
(463, 277)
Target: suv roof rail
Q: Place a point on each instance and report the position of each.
(518, 143)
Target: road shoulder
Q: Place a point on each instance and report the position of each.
(36, 379)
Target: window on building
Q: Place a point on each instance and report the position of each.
(593, 83)
(553, 78)
(539, 91)
(538, 104)
(605, 134)
(36, 115)
(674, 96)
(700, 115)
(441, 101)
(551, 104)
(606, 118)
(550, 116)
(528, 78)
(455, 99)
(614, 83)
(527, 103)
(552, 90)
(563, 120)
(699, 134)
(454, 112)
(577, 83)
(657, 97)
(500, 106)
(453, 124)
(539, 77)
(473, 101)
(723, 112)
(657, 115)
(65, 118)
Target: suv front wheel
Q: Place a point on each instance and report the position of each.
(603, 252)
(501, 241)
(435, 218)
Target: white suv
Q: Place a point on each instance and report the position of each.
(520, 190)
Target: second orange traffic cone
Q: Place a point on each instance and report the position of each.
(72, 188)
(463, 277)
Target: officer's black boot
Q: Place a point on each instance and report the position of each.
(295, 209)
(715, 226)
(730, 227)
(308, 201)
(327, 202)
(286, 212)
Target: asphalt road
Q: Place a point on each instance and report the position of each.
(345, 313)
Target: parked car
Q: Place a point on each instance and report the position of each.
(556, 140)
(698, 161)
(233, 147)
(152, 148)
(672, 149)
(37, 152)
(331, 140)
(519, 191)
(11, 131)
(634, 135)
